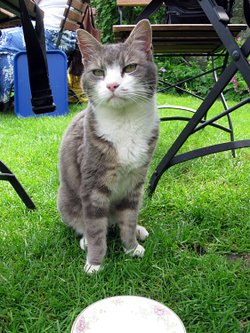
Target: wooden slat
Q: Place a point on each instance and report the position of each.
(181, 27)
(181, 38)
(13, 7)
(122, 3)
(77, 4)
(7, 21)
(6, 13)
(74, 15)
(72, 26)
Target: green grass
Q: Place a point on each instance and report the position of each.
(197, 256)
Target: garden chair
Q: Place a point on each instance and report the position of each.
(7, 175)
(198, 39)
(10, 15)
(78, 14)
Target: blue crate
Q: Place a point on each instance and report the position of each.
(57, 64)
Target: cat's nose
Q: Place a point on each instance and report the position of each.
(112, 86)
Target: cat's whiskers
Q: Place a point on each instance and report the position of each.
(138, 97)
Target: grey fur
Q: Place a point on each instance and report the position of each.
(89, 163)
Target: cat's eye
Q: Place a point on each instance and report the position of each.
(98, 72)
(130, 68)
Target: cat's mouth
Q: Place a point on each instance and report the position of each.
(118, 96)
(114, 98)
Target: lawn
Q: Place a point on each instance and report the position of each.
(197, 256)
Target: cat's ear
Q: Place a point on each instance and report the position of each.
(88, 45)
(142, 36)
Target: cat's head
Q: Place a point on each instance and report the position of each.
(116, 75)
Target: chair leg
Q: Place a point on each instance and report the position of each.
(7, 175)
(225, 106)
(227, 39)
(191, 127)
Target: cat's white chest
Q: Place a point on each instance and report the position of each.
(130, 143)
(129, 133)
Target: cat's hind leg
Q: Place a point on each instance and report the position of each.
(141, 233)
(83, 243)
(70, 208)
(90, 268)
(138, 251)
(126, 214)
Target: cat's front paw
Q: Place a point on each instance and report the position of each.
(141, 233)
(90, 269)
(83, 243)
(138, 251)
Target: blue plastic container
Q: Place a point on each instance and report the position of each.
(57, 65)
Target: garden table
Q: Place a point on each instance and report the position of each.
(205, 39)
(239, 63)
(13, 7)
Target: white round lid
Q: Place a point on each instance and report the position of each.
(127, 314)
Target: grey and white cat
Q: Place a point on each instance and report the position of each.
(107, 148)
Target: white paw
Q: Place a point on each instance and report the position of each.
(83, 243)
(141, 233)
(138, 251)
(90, 269)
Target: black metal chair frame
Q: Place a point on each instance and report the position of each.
(177, 85)
(7, 175)
(198, 121)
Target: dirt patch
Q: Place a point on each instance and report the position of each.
(239, 256)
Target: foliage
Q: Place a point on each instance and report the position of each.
(238, 88)
(178, 69)
(108, 15)
(181, 69)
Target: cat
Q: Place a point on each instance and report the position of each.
(107, 148)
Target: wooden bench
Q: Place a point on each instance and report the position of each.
(73, 14)
(76, 15)
(188, 39)
(177, 38)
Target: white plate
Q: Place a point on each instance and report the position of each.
(127, 314)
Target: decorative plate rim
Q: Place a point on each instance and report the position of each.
(113, 298)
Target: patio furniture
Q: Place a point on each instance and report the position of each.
(73, 16)
(7, 175)
(8, 19)
(42, 99)
(11, 11)
(73, 19)
(200, 39)
(77, 15)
